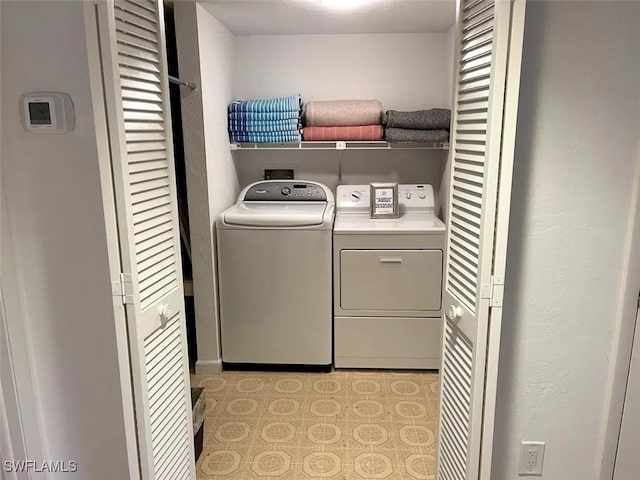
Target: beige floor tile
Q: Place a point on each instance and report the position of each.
(344, 425)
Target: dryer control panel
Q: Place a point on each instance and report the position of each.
(411, 198)
(285, 191)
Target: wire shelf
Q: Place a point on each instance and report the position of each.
(340, 146)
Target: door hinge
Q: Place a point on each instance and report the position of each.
(123, 288)
(494, 291)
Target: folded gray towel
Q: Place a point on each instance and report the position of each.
(420, 136)
(434, 119)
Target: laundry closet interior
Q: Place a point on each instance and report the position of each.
(367, 403)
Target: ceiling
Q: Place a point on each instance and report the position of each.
(287, 17)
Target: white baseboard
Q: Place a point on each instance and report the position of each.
(209, 367)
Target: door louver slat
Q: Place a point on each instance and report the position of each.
(159, 346)
(151, 185)
(479, 21)
(136, 18)
(133, 40)
(159, 409)
(132, 7)
(131, 51)
(478, 32)
(135, 74)
(456, 401)
(142, 127)
(167, 407)
(148, 220)
(142, 106)
(145, 142)
(479, 10)
(145, 161)
(146, 238)
(455, 442)
(136, 95)
(469, 146)
(153, 223)
(154, 250)
(164, 285)
(129, 26)
(469, 158)
(475, 5)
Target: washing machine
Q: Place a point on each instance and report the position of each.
(275, 275)
(388, 276)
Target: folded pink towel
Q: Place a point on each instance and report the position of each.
(364, 133)
(342, 113)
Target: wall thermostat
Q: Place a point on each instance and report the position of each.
(47, 112)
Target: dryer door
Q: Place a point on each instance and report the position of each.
(391, 280)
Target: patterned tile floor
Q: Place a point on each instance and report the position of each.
(347, 425)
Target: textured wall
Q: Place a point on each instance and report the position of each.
(577, 145)
(54, 204)
(404, 71)
(204, 55)
(349, 167)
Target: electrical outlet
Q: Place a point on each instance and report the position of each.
(531, 459)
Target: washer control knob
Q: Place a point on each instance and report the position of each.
(422, 196)
(286, 191)
(165, 311)
(454, 312)
(355, 196)
(408, 195)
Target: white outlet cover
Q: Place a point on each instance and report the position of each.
(531, 459)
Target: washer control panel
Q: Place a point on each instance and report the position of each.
(411, 198)
(285, 191)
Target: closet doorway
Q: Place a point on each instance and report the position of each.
(410, 55)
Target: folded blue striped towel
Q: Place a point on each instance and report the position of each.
(262, 137)
(262, 116)
(281, 104)
(264, 126)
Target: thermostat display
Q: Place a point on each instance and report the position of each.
(47, 112)
(39, 113)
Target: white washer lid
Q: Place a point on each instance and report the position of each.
(275, 214)
(406, 224)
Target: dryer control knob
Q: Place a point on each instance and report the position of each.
(454, 312)
(286, 191)
(165, 311)
(355, 196)
(422, 196)
(408, 195)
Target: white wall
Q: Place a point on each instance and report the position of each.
(348, 167)
(627, 462)
(623, 334)
(404, 71)
(577, 144)
(51, 184)
(205, 51)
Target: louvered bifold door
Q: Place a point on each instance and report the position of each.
(471, 283)
(132, 41)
